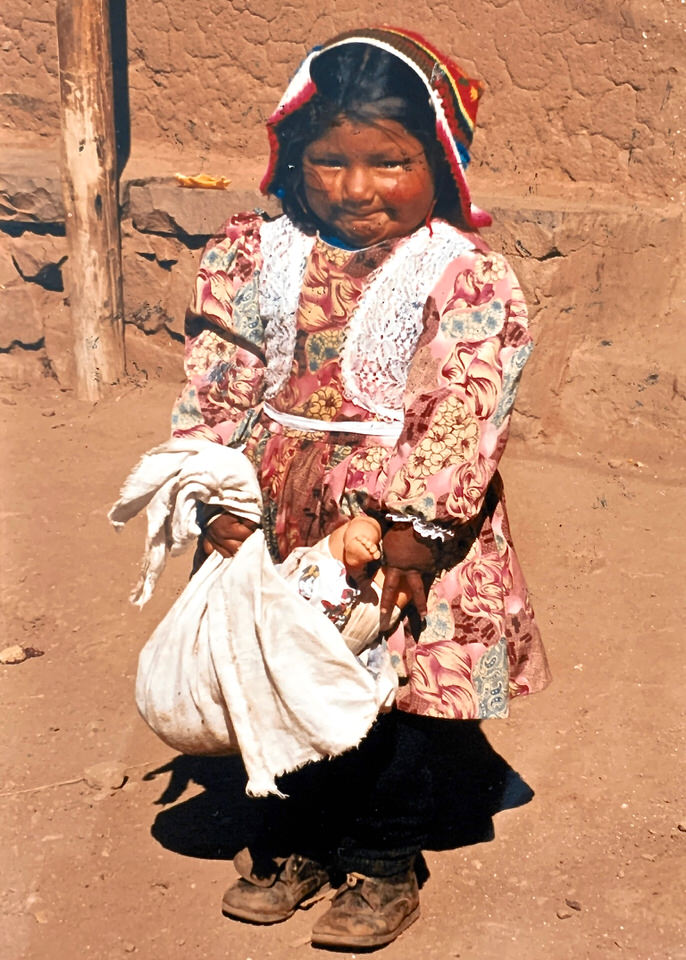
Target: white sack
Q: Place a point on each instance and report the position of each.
(242, 663)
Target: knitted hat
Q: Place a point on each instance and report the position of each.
(452, 94)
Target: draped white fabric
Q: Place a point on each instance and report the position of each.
(240, 662)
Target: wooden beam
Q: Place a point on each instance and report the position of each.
(89, 184)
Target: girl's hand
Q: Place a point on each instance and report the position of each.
(226, 533)
(408, 558)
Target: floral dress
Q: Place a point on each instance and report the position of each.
(447, 410)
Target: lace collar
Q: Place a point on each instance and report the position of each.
(383, 331)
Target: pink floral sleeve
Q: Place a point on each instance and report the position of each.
(460, 391)
(224, 361)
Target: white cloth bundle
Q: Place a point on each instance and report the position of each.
(240, 662)
(170, 480)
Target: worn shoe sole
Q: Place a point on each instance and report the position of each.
(249, 916)
(341, 941)
(254, 916)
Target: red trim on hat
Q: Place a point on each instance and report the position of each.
(282, 111)
(451, 73)
(474, 216)
(452, 70)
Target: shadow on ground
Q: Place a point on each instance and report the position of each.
(472, 783)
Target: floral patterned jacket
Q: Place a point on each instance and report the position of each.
(458, 373)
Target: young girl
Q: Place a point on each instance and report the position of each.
(365, 348)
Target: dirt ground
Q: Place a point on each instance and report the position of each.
(593, 866)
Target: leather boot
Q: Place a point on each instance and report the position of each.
(272, 892)
(368, 911)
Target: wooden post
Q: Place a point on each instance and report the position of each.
(89, 186)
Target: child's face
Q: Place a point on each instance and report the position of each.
(368, 182)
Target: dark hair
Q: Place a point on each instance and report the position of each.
(364, 84)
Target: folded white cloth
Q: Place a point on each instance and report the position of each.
(170, 480)
(241, 661)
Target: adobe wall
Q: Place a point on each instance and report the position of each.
(580, 129)
(577, 91)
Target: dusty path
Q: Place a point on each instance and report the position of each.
(593, 867)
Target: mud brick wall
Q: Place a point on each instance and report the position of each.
(577, 155)
(576, 90)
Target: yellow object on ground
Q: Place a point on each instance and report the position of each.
(202, 181)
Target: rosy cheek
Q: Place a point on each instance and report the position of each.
(410, 191)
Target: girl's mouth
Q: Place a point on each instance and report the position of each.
(359, 214)
(361, 222)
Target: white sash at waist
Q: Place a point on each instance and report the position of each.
(372, 428)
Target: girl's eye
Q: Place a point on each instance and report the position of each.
(403, 163)
(326, 161)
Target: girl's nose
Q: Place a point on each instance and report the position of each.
(358, 183)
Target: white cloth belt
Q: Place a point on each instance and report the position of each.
(372, 428)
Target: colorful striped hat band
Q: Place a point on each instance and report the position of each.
(453, 95)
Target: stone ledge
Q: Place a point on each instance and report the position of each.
(31, 193)
(37, 200)
(161, 206)
(30, 187)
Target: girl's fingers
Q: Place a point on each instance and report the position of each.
(411, 583)
(226, 547)
(414, 585)
(226, 533)
(389, 594)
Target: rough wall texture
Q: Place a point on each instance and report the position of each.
(577, 90)
(29, 85)
(578, 156)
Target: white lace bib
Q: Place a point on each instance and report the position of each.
(385, 326)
